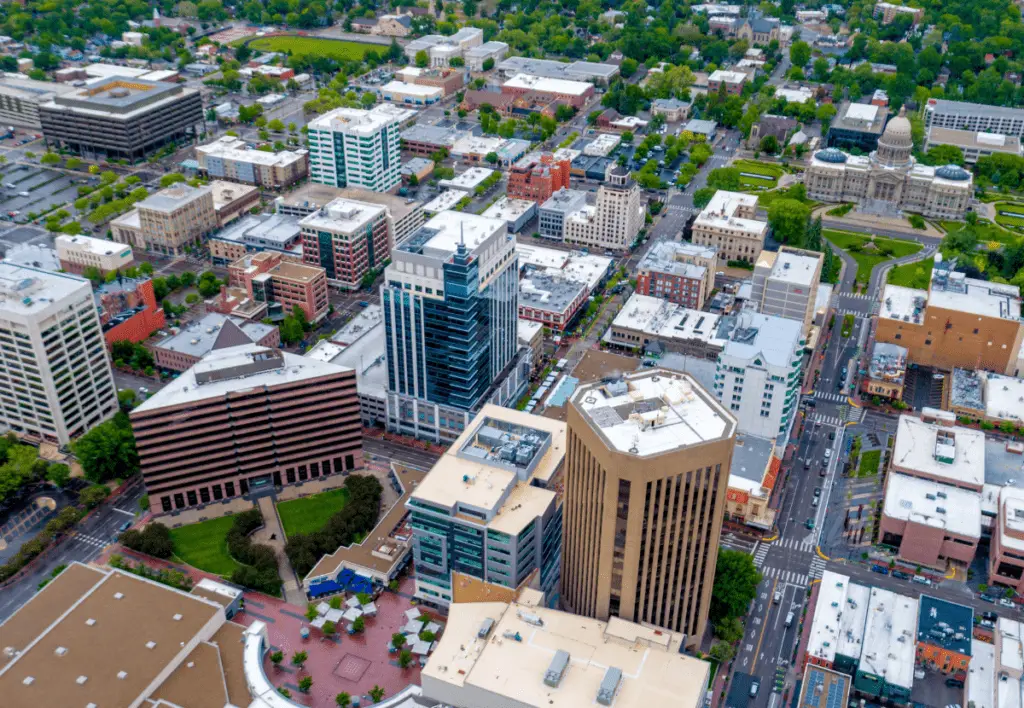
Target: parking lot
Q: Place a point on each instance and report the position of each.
(28, 190)
(20, 237)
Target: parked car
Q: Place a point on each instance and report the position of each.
(817, 491)
(789, 619)
(899, 574)
(989, 615)
(1003, 602)
(987, 598)
(884, 570)
(809, 523)
(778, 597)
(955, 683)
(921, 580)
(755, 686)
(828, 453)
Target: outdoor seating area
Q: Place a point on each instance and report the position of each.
(421, 635)
(352, 609)
(347, 581)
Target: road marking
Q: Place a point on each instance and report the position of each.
(761, 638)
(122, 511)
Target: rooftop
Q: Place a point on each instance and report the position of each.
(343, 216)
(653, 412)
(359, 345)
(666, 257)
(888, 363)
(26, 89)
(945, 624)
(951, 290)
(200, 337)
(946, 453)
(468, 180)
(235, 369)
(120, 96)
(443, 233)
(861, 117)
(752, 335)
(550, 293)
(723, 205)
(547, 85)
(357, 121)
(795, 95)
(828, 611)
(432, 134)
(667, 320)
(444, 201)
(477, 145)
(981, 677)
(412, 89)
(25, 290)
(574, 265)
(993, 395)
(580, 70)
(750, 459)
(509, 210)
(233, 148)
(796, 267)
(398, 207)
(900, 303)
(934, 504)
(854, 621)
(543, 657)
(990, 142)
(729, 77)
(276, 230)
(889, 638)
(565, 200)
(174, 197)
(824, 688)
(501, 450)
(963, 108)
(97, 246)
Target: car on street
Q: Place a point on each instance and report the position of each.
(989, 615)
(817, 491)
(987, 598)
(880, 569)
(921, 580)
(828, 453)
(755, 686)
(809, 523)
(832, 435)
(899, 574)
(1006, 603)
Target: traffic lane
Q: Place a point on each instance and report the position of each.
(387, 450)
(756, 624)
(782, 638)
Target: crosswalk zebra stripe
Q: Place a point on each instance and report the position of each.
(827, 419)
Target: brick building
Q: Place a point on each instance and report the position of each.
(944, 631)
(278, 283)
(129, 310)
(258, 416)
(574, 93)
(348, 239)
(448, 80)
(215, 331)
(537, 179)
(683, 273)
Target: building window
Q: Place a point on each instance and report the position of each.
(165, 503)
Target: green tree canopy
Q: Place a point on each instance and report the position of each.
(736, 580)
(788, 219)
(108, 451)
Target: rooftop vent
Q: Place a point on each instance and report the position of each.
(28, 680)
(530, 618)
(485, 628)
(122, 675)
(118, 595)
(60, 651)
(90, 621)
(81, 680)
(151, 644)
(553, 676)
(609, 685)
(177, 617)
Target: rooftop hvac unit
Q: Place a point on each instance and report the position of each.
(485, 628)
(553, 676)
(609, 685)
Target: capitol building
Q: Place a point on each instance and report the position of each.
(889, 180)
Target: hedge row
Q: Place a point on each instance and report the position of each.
(259, 569)
(65, 519)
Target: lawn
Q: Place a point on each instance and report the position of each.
(336, 49)
(912, 275)
(986, 230)
(1009, 215)
(204, 545)
(310, 513)
(869, 462)
(749, 170)
(885, 249)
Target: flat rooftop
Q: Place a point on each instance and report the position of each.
(442, 234)
(934, 504)
(21, 87)
(343, 215)
(889, 638)
(565, 200)
(825, 625)
(729, 77)
(948, 453)
(986, 142)
(25, 290)
(861, 117)
(663, 257)
(653, 412)
(904, 304)
(854, 621)
(444, 201)
(557, 69)
(97, 246)
(796, 268)
(412, 89)
(955, 291)
(276, 230)
(750, 335)
(235, 369)
(945, 624)
(357, 121)
(199, 337)
(667, 320)
(510, 210)
(981, 676)
(550, 293)
(565, 87)
(824, 688)
(888, 362)
(171, 198)
(750, 459)
(972, 110)
(468, 180)
(120, 96)
(232, 148)
(719, 213)
(651, 670)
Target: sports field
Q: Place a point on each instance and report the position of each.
(337, 49)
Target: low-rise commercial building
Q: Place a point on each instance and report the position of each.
(1006, 552)
(944, 635)
(427, 139)
(276, 286)
(169, 222)
(449, 80)
(785, 283)
(653, 324)
(121, 118)
(441, 50)
(673, 109)
(77, 253)
(887, 371)
(517, 213)
(732, 81)
(229, 158)
(682, 273)
(573, 93)
(552, 300)
(479, 661)
(467, 181)
(602, 145)
(974, 145)
(820, 682)
(348, 239)
(231, 200)
(195, 340)
(575, 71)
(478, 56)
(257, 233)
(257, 414)
(728, 224)
(552, 214)
(572, 265)
(752, 476)
(406, 214)
(986, 396)
(411, 94)
(857, 125)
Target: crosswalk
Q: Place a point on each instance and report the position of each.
(91, 540)
(852, 414)
(817, 567)
(795, 544)
(856, 313)
(786, 576)
(833, 397)
(833, 420)
(760, 554)
(859, 296)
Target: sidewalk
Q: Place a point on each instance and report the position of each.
(273, 535)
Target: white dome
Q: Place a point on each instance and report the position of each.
(898, 131)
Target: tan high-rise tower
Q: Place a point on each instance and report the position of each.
(647, 469)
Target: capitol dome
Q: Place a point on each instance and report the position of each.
(896, 143)
(953, 172)
(897, 132)
(833, 155)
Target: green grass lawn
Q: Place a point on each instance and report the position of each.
(204, 545)
(912, 275)
(867, 260)
(336, 49)
(869, 462)
(1005, 219)
(759, 168)
(986, 230)
(310, 513)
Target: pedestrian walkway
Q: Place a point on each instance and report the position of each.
(735, 543)
(817, 567)
(852, 414)
(273, 535)
(791, 577)
(859, 296)
(834, 421)
(760, 554)
(855, 313)
(795, 544)
(91, 540)
(833, 397)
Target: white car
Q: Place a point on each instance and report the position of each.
(828, 453)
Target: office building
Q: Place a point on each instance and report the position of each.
(538, 177)
(178, 352)
(170, 222)
(76, 253)
(785, 283)
(731, 81)
(348, 239)
(857, 125)
(20, 98)
(823, 685)
(120, 118)
(986, 396)
(275, 286)
(408, 94)
(449, 80)
(228, 158)
(450, 300)
(654, 325)
(975, 117)
(128, 310)
(614, 222)
(467, 181)
(958, 322)
(551, 215)
(573, 93)
(257, 233)
(569, 265)
(752, 477)
(728, 224)
(425, 140)
(441, 50)
(682, 273)
(973, 145)
(887, 12)
(593, 72)
(257, 414)
(56, 377)
(568, 661)
(1006, 551)
(890, 180)
(516, 213)
(759, 372)
(352, 147)
(487, 517)
(477, 56)
(552, 300)
(232, 200)
(652, 436)
(406, 214)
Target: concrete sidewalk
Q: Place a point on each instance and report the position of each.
(273, 535)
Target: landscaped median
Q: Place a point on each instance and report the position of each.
(869, 251)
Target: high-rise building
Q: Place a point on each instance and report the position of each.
(450, 301)
(758, 374)
(614, 222)
(646, 476)
(55, 378)
(352, 147)
(348, 239)
(487, 517)
(258, 416)
(786, 283)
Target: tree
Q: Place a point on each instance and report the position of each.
(91, 497)
(343, 700)
(299, 658)
(491, 157)
(727, 178)
(368, 100)
(291, 330)
(729, 629)
(397, 640)
(703, 196)
(945, 155)
(488, 64)
(421, 59)
(700, 153)
(736, 580)
(800, 53)
(208, 284)
(50, 158)
(359, 624)
(329, 628)
(788, 219)
(58, 474)
(376, 693)
(722, 652)
(769, 144)
(108, 451)
(825, 113)
(404, 658)
(305, 683)
(277, 657)
(311, 613)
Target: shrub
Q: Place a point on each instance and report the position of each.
(259, 569)
(154, 540)
(65, 519)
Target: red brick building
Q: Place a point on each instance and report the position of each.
(574, 93)
(268, 277)
(262, 418)
(537, 180)
(215, 331)
(129, 311)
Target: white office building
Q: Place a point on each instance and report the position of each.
(351, 147)
(758, 374)
(55, 377)
(614, 222)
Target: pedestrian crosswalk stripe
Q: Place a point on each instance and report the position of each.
(826, 396)
(827, 420)
(797, 545)
(790, 577)
(91, 540)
